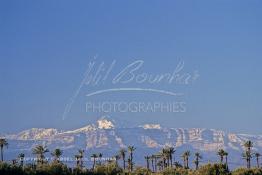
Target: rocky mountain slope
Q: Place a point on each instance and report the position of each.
(105, 137)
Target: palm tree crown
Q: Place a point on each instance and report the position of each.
(221, 153)
(57, 154)
(40, 151)
(248, 145)
(94, 156)
(21, 157)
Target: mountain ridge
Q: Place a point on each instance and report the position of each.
(107, 138)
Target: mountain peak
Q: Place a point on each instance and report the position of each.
(105, 123)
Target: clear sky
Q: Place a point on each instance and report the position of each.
(46, 46)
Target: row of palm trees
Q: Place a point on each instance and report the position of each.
(41, 150)
(161, 160)
(164, 159)
(130, 160)
(223, 156)
(248, 154)
(155, 162)
(163, 163)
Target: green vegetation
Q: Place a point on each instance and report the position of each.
(157, 164)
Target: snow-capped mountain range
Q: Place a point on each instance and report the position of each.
(105, 137)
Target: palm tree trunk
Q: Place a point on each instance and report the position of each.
(2, 155)
(155, 163)
(42, 159)
(152, 164)
(258, 162)
(197, 165)
(197, 161)
(226, 163)
(171, 161)
(221, 159)
(94, 163)
(124, 163)
(116, 161)
(131, 158)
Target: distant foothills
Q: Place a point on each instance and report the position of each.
(105, 148)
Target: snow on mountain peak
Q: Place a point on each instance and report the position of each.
(151, 126)
(105, 124)
(36, 133)
(83, 129)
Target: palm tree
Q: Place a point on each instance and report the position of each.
(100, 155)
(147, 161)
(81, 156)
(248, 145)
(21, 157)
(14, 162)
(160, 164)
(152, 162)
(3, 143)
(171, 151)
(77, 160)
(129, 164)
(257, 158)
(117, 157)
(184, 159)
(57, 154)
(185, 156)
(197, 158)
(122, 153)
(40, 151)
(168, 156)
(247, 156)
(221, 154)
(226, 155)
(94, 156)
(131, 150)
(156, 157)
(165, 156)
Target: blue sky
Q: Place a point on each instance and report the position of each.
(46, 46)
